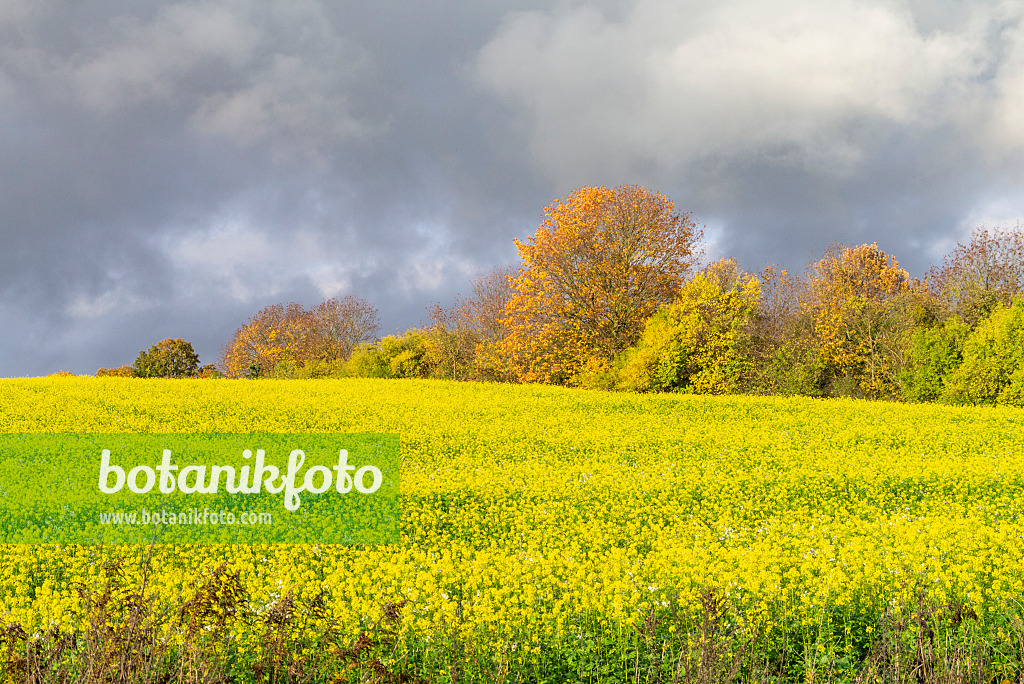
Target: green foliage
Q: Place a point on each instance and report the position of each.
(391, 357)
(935, 351)
(286, 369)
(793, 368)
(209, 371)
(170, 358)
(1013, 393)
(292, 370)
(659, 362)
(993, 361)
(694, 344)
(254, 370)
(366, 362)
(334, 368)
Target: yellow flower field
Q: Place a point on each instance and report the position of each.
(545, 528)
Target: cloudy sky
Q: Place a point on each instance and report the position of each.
(169, 168)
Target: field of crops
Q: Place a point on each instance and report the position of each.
(562, 535)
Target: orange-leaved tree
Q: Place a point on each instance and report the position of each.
(280, 334)
(597, 268)
(124, 371)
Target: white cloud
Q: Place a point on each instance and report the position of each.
(227, 246)
(16, 14)
(999, 213)
(232, 260)
(118, 299)
(1008, 112)
(245, 262)
(331, 280)
(805, 81)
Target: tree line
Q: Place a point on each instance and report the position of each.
(608, 295)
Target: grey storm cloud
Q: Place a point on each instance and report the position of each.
(169, 168)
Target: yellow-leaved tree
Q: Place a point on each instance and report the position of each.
(602, 262)
(271, 336)
(858, 299)
(696, 343)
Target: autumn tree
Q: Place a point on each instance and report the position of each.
(337, 325)
(597, 268)
(973, 287)
(780, 337)
(463, 339)
(291, 335)
(778, 307)
(209, 371)
(451, 340)
(169, 358)
(490, 293)
(976, 276)
(124, 371)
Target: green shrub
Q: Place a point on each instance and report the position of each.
(694, 344)
(993, 361)
(935, 352)
(391, 357)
